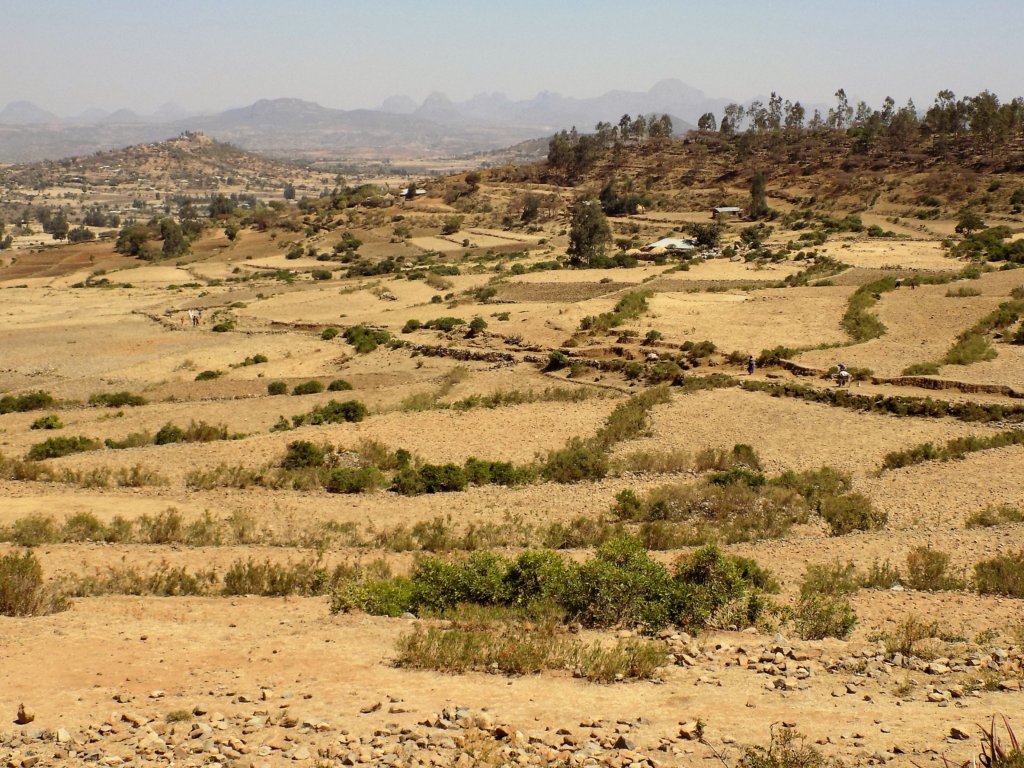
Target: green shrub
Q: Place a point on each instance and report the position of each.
(332, 412)
(328, 333)
(851, 512)
(1001, 575)
(411, 325)
(83, 526)
(620, 586)
(480, 472)
(835, 580)
(51, 421)
(442, 478)
(22, 590)
(366, 339)
(339, 385)
(33, 530)
(208, 375)
(992, 516)
(169, 433)
(353, 479)
(857, 321)
(301, 454)
(56, 447)
(821, 616)
(277, 388)
(31, 401)
(321, 274)
(311, 387)
(921, 369)
(578, 461)
(116, 399)
(775, 356)
(444, 324)
(378, 597)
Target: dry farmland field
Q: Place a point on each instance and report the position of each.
(264, 501)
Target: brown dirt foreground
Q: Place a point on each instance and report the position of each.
(279, 683)
(131, 660)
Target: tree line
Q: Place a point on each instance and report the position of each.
(574, 152)
(982, 117)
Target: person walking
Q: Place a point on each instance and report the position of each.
(750, 365)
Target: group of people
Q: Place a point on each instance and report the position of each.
(842, 375)
(195, 316)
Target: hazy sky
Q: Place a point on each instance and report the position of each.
(66, 55)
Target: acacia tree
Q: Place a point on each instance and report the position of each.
(969, 222)
(589, 233)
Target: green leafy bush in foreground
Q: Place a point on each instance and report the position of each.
(620, 586)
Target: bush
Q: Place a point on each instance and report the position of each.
(366, 339)
(56, 447)
(224, 327)
(992, 516)
(578, 461)
(328, 333)
(430, 478)
(786, 750)
(411, 325)
(339, 385)
(51, 421)
(116, 399)
(621, 585)
(83, 526)
(926, 570)
(775, 356)
(131, 440)
(1002, 575)
(169, 433)
(302, 454)
(835, 580)
(22, 591)
(321, 274)
(921, 369)
(821, 616)
(31, 401)
(277, 388)
(851, 512)
(353, 480)
(311, 387)
(208, 375)
(445, 324)
(33, 530)
(333, 412)
(515, 649)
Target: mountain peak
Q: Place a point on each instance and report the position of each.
(26, 113)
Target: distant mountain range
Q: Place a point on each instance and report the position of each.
(399, 127)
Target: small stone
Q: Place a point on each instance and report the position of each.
(691, 731)
(301, 753)
(25, 716)
(623, 743)
(958, 734)
(62, 736)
